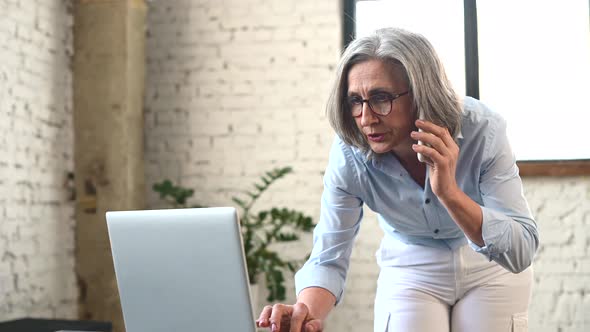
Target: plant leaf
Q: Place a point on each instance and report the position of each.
(239, 202)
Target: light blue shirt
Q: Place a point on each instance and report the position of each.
(486, 172)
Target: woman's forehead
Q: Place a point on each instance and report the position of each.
(375, 72)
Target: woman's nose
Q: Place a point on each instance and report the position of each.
(367, 116)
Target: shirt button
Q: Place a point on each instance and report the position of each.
(427, 201)
(436, 231)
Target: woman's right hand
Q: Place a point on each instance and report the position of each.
(289, 318)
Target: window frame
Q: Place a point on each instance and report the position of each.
(526, 167)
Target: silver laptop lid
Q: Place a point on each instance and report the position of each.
(181, 270)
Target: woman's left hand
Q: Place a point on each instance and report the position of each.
(442, 150)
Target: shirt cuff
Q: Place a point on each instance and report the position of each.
(320, 276)
(495, 231)
(485, 250)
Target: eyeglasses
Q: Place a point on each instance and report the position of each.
(380, 104)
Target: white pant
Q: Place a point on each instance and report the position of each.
(440, 290)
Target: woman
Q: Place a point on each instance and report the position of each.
(459, 236)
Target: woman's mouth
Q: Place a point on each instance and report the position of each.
(376, 137)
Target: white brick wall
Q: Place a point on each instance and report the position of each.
(561, 294)
(36, 152)
(236, 87)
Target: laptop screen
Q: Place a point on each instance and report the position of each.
(181, 270)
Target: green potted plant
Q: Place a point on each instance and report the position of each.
(260, 229)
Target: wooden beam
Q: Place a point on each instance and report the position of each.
(554, 168)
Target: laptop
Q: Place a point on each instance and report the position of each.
(181, 270)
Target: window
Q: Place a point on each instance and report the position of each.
(527, 59)
(534, 68)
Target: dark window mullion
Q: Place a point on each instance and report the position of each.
(471, 49)
(348, 22)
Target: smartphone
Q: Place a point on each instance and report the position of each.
(421, 157)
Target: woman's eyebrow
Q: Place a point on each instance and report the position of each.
(371, 92)
(379, 90)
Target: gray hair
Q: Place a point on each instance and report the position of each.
(432, 92)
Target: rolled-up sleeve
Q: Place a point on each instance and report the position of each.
(333, 237)
(509, 231)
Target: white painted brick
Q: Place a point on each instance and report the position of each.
(543, 302)
(6, 282)
(8, 27)
(582, 266)
(573, 283)
(25, 246)
(35, 77)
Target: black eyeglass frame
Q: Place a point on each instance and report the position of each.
(391, 98)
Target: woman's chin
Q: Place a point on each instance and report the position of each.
(380, 148)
